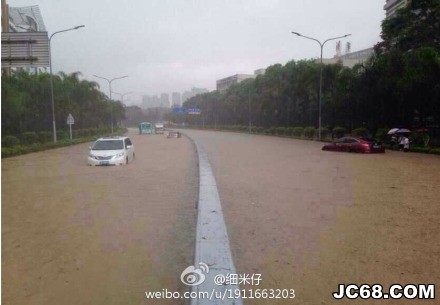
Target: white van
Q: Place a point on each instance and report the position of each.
(158, 128)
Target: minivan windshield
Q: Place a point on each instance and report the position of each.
(108, 145)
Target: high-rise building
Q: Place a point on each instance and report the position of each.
(152, 101)
(194, 91)
(224, 83)
(164, 100)
(175, 99)
(391, 6)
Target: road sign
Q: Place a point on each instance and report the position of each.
(70, 119)
(194, 110)
(179, 109)
(70, 122)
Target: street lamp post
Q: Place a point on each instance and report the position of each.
(320, 75)
(110, 93)
(250, 112)
(51, 80)
(122, 95)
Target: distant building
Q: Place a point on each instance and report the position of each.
(194, 91)
(260, 71)
(391, 6)
(349, 59)
(224, 83)
(164, 100)
(152, 101)
(175, 99)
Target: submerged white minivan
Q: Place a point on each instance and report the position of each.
(111, 151)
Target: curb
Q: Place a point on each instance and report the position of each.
(212, 242)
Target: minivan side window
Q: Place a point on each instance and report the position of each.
(127, 142)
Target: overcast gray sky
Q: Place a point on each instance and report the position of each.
(173, 45)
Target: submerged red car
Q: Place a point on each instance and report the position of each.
(354, 144)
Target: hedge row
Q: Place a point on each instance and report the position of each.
(309, 132)
(31, 141)
(31, 137)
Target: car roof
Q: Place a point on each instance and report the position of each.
(112, 138)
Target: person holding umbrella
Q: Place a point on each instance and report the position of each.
(398, 137)
(403, 141)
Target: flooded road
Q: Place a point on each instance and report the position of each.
(309, 220)
(74, 234)
(302, 218)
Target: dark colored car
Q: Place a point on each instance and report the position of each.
(173, 134)
(354, 144)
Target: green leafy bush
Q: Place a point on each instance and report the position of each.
(339, 132)
(45, 136)
(272, 130)
(280, 131)
(11, 151)
(418, 138)
(298, 131)
(420, 149)
(61, 135)
(10, 141)
(309, 132)
(256, 129)
(435, 151)
(360, 132)
(324, 132)
(381, 133)
(289, 131)
(29, 137)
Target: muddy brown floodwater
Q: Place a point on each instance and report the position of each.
(302, 218)
(74, 234)
(309, 220)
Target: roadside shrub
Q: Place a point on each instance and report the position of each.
(11, 151)
(434, 142)
(309, 132)
(10, 141)
(289, 131)
(61, 135)
(298, 131)
(75, 133)
(435, 151)
(45, 136)
(272, 130)
(324, 132)
(280, 131)
(258, 129)
(420, 149)
(418, 138)
(360, 132)
(29, 137)
(86, 132)
(339, 132)
(381, 134)
(96, 131)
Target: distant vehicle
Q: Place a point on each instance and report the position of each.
(158, 128)
(111, 151)
(173, 134)
(355, 144)
(146, 128)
